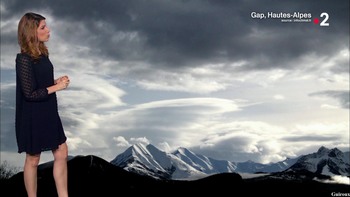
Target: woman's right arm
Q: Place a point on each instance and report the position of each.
(27, 81)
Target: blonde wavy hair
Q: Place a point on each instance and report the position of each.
(28, 38)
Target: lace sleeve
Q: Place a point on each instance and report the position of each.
(26, 79)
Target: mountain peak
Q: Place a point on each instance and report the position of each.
(325, 161)
(183, 151)
(144, 159)
(334, 152)
(139, 145)
(322, 150)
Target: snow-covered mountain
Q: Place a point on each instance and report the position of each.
(203, 163)
(325, 161)
(149, 160)
(185, 164)
(253, 167)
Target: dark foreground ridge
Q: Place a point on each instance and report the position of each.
(94, 176)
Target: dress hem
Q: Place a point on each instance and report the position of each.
(43, 149)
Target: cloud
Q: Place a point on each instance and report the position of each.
(239, 141)
(341, 95)
(191, 33)
(337, 179)
(142, 140)
(278, 97)
(7, 125)
(162, 53)
(121, 141)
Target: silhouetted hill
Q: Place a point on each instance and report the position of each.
(300, 183)
(93, 176)
(87, 176)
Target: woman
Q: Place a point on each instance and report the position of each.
(38, 125)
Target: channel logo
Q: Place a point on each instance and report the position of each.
(324, 22)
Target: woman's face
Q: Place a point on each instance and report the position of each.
(43, 32)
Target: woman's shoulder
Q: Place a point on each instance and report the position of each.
(23, 57)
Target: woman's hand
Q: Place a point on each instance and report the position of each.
(60, 79)
(60, 84)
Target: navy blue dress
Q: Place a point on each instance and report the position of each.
(38, 124)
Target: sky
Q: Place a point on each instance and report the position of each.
(232, 80)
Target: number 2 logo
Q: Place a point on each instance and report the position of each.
(324, 21)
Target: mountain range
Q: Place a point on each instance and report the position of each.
(145, 170)
(183, 164)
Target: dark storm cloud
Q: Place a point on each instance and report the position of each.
(311, 138)
(173, 34)
(342, 96)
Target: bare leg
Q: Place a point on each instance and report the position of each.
(30, 174)
(60, 171)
